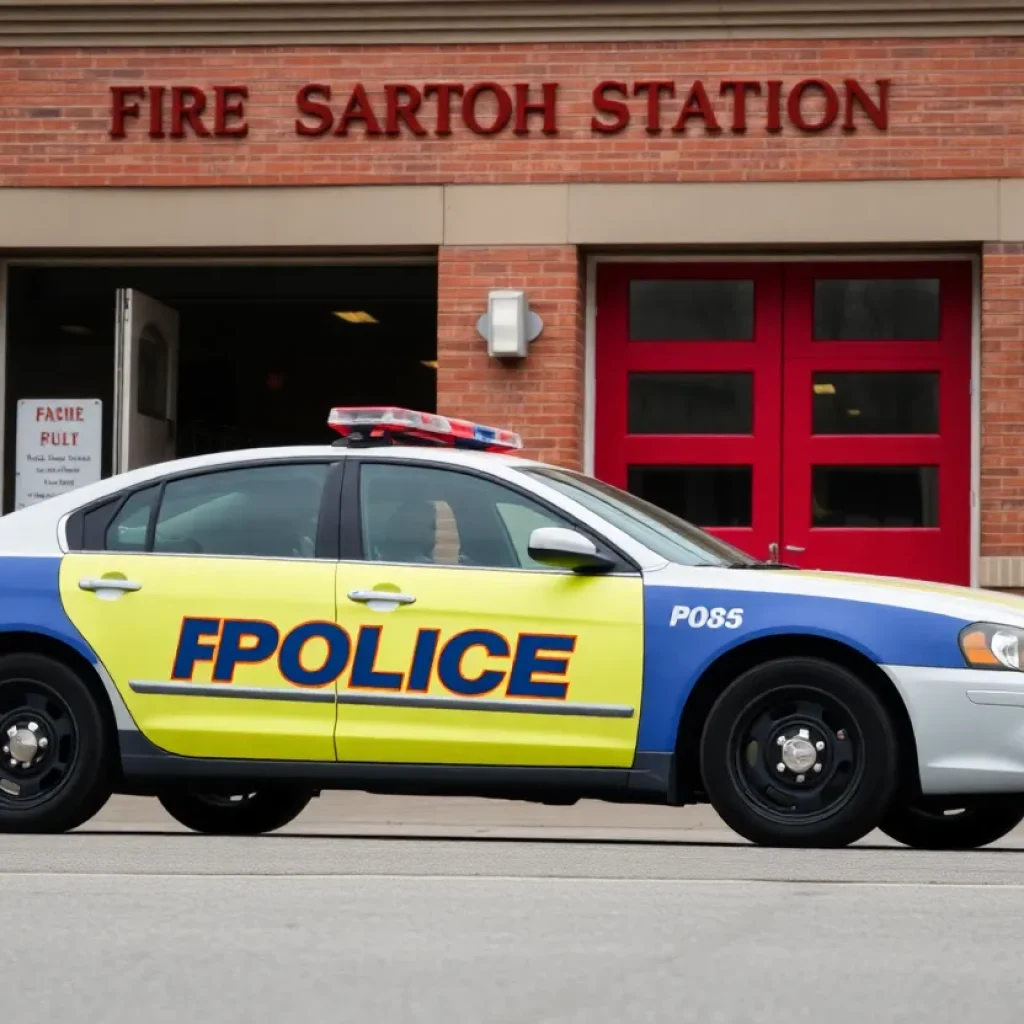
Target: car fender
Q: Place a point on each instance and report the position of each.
(677, 655)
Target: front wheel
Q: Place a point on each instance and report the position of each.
(799, 752)
(934, 828)
(243, 813)
(56, 749)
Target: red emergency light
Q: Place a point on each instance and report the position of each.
(389, 423)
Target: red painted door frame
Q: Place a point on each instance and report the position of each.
(783, 357)
(939, 553)
(617, 357)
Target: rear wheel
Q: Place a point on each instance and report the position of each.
(55, 753)
(927, 827)
(242, 812)
(799, 752)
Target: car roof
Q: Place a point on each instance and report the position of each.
(15, 528)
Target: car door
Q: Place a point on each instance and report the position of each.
(465, 650)
(210, 601)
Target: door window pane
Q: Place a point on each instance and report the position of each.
(154, 364)
(520, 521)
(691, 310)
(703, 495)
(691, 403)
(127, 530)
(263, 511)
(875, 496)
(894, 309)
(876, 403)
(424, 516)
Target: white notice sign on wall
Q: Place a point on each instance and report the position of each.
(59, 446)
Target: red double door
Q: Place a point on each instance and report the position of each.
(818, 413)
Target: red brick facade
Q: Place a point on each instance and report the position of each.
(1002, 400)
(543, 398)
(953, 113)
(953, 110)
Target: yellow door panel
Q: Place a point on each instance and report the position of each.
(490, 667)
(198, 624)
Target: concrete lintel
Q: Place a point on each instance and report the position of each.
(693, 215)
(226, 218)
(785, 213)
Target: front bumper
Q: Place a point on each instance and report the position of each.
(969, 728)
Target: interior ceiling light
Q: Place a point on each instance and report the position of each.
(355, 317)
(853, 412)
(824, 389)
(431, 364)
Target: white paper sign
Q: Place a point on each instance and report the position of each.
(59, 446)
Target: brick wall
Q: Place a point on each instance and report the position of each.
(954, 112)
(1002, 400)
(542, 397)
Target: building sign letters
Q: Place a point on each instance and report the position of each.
(521, 108)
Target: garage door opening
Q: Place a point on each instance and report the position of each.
(219, 357)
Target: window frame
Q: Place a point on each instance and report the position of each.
(84, 536)
(81, 533)
(350, 534)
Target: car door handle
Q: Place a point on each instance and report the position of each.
(795, 549)
(365, 596)
(109, 584)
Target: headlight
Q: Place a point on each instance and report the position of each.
(989, 646)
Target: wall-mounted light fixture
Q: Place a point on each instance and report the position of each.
(509, 325)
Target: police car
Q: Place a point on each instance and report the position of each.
(417, 609)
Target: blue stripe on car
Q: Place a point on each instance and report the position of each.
(30, 602)
(675, 657)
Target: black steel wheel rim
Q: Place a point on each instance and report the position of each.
(39, 741)
(796, 755)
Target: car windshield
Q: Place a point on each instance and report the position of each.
(665, 534)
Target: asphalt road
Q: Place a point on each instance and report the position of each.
(500, 913)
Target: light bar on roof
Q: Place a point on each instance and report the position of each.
(381, 420)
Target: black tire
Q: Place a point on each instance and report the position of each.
(849, 731)
(69, 776)
(244, 812)
(966, 828)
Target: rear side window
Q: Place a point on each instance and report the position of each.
(263, 511)
(128, 529)
(257, 511)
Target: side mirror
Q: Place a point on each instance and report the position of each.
(566, 549)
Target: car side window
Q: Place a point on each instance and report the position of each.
(259, 511)
(127, 530)
(429, 516)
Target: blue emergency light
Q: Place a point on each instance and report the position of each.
(368, 424)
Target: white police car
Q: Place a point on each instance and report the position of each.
(415, 610)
